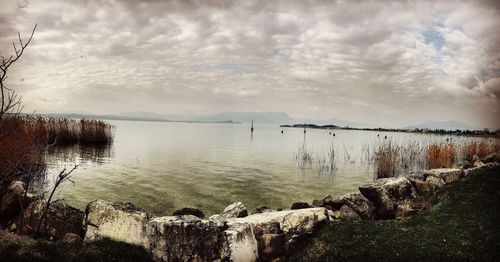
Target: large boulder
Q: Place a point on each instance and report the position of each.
(359, 204)
(447, 174)
(238, 243)
(296, 225)
(262, 209)
(185, 238)
(329, 202)
(272, 246)
(300, 205)
(355, 201)
(72, 238)
(59, 219)
(189, 211)
(464, 165)
(119, 221)
(479, 163)
(387, 193)
(347, 213)
(427, 181)
(236, 209)
(14, 201)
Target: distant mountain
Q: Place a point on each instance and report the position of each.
(446, 125)
(144, 117)
(276, 118)
(144, 114)
(247, 117)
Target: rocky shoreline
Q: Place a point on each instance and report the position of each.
(233, 235)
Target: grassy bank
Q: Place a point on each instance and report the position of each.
(462, 225)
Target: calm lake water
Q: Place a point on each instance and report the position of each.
(162, 167)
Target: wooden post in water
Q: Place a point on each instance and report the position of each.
(251, 128)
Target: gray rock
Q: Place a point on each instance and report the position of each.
(491, 158)
(470, 171)
(320, 202)
(465, 165)
(475, 158)
(189, 211)
(296, 225)
(184, 238)
(419, 175)
(272, 246)
(10, 205)
(435, 182)
(72, 238)
(478, 163)
(422, 187)
(238, 243)
(17, 187)
(300, 205)
(236, 209)
(59, 219)
(262, 209)
(12, 227)
(386, 193)
(447, 174)
(347, 213)
(360, 204)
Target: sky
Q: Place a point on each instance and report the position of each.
(386, 63)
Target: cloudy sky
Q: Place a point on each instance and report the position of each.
(379, 62)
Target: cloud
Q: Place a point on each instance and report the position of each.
(391, 63)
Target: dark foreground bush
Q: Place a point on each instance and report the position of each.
(102, 250)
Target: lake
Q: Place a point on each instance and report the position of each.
(163, 166)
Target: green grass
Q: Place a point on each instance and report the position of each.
(463, 225)
(102, 250)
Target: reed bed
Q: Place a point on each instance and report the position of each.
(392, 159)
(327, 163)
(479, 149)
(63, 131)
(24, 141)
(20, 148)
(303, 156)
(387, 159)
(441, 155)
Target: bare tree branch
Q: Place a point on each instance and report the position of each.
(9, 100)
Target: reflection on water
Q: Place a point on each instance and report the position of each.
(97, 154)
(165, 166)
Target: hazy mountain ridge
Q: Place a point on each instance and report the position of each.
(446, 125)
(277, 118)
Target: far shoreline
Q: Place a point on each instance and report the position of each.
(457, 132)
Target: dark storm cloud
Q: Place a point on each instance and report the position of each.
(368, 61)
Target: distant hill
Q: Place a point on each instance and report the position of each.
(278, 118)
(446, 125)
(144, 114)
(131, 118)
(275, 118)
(247, 117)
